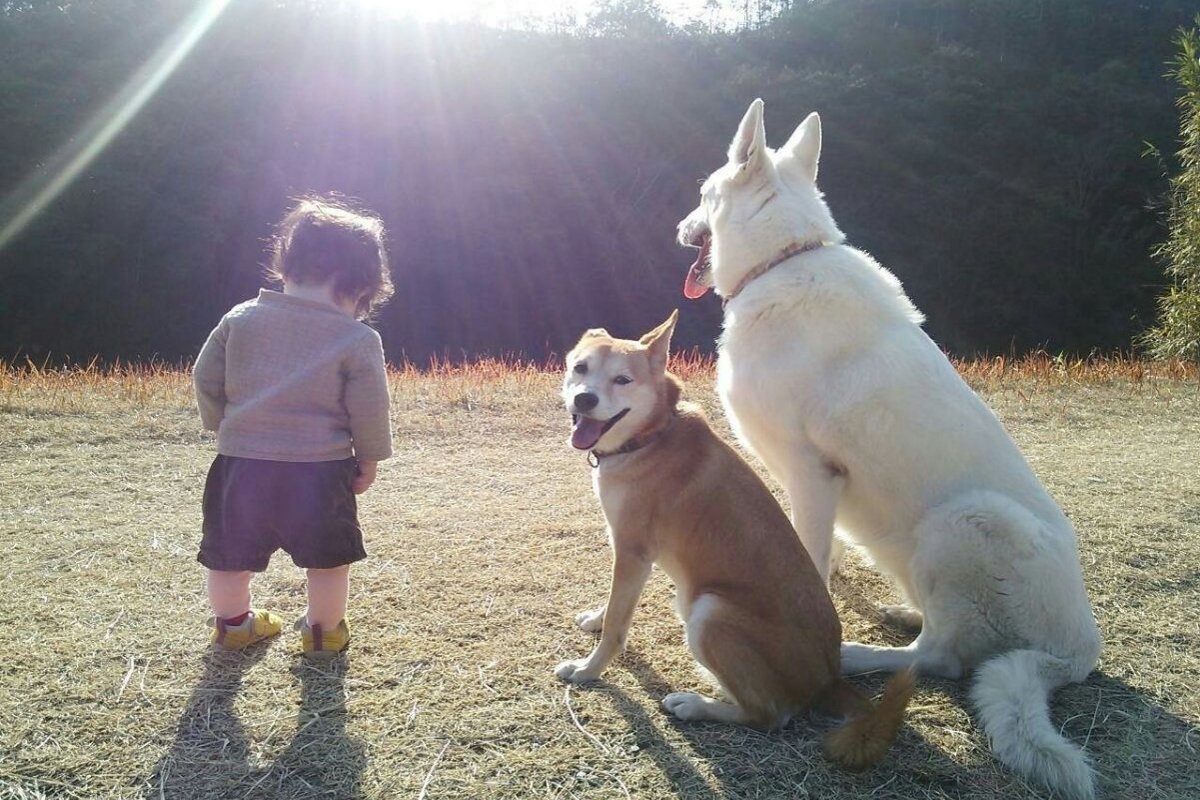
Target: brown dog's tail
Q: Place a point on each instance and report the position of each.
(864, 740)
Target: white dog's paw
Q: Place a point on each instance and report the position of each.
(686, 706)
(837, 554)
(858, 658)
(902, 616)
(576, 671)
(591, 621)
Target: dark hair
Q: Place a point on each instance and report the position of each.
(325, 237)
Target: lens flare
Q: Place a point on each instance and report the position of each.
(41, 189)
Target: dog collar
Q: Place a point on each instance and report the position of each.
(635, 443)
(794, 249)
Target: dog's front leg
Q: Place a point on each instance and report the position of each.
(814, 490)
(631, 569)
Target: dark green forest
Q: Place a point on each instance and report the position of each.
(989, 152)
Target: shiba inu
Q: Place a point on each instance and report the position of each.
(756, 613)
(827, 376)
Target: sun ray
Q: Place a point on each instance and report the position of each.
(43, 187)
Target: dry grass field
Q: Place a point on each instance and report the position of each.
(485, 540)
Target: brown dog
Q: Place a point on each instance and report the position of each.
(755, 610)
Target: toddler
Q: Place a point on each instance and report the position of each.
(294, 384)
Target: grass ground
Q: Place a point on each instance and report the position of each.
(485, 539)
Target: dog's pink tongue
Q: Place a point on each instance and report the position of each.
(587, 432)
(692, 287)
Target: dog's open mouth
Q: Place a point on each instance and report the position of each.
(588, 431)
(698, 277)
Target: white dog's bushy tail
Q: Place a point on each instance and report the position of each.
(1011, 693)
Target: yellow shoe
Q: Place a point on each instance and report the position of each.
(254, 628)
(323, 644)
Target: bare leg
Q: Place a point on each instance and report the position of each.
(630, 572)
(328, 590)
(229, 593)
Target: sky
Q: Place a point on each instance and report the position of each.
(517, 13)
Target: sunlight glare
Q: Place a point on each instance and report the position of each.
(516, 13)
(44, 186)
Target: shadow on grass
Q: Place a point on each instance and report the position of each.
(322, 760)
(1137, 748)
(745, 762)
(686, 778)
(211, 754)
(210, 746)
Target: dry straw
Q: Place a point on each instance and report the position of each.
(485, 539)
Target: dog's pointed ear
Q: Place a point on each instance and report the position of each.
(804, 148)
(749, 146)
(593, 332)
(658, 341)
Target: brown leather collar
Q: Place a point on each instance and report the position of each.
(793, 249)
(632, 444)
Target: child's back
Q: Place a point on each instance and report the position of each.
(296, 388)
(302, 381)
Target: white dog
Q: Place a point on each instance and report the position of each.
(826, 376)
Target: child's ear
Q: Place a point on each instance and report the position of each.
(658, 341)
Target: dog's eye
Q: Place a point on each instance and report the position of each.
(621, 380)
(581, 368)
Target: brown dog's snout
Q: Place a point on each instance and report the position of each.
(585, 401)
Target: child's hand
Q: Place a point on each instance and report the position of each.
(365, 476)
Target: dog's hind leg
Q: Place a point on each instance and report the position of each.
(859, 658)
(932, 652)
(984, 574)
(899, 616)
(689, 707)
(717, 636)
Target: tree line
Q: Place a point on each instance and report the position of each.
(990, 152)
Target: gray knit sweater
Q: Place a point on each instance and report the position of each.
(284, 378)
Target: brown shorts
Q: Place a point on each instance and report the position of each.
(254, 507)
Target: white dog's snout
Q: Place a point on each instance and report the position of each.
(691, 230)
(684, 235)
